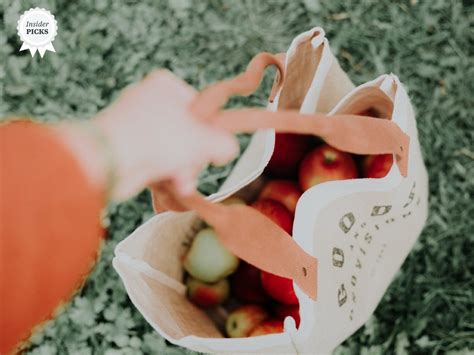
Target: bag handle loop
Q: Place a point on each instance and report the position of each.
(208, 102)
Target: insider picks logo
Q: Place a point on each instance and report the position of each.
(37, 29)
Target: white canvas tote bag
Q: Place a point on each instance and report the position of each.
(359, 231)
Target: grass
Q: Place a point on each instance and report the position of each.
(104, 45)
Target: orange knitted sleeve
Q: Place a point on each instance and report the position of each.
(50, 230)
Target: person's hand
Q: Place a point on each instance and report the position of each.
(152, 136)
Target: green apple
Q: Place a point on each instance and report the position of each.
(207, 295)
(207, 259)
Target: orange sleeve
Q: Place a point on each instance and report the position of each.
(50, 230)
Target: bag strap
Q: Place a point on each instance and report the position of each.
(207, 104)
(257, 239)
(351, 133)
(253, 237)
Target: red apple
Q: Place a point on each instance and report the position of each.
(207, 295)
(246, 284)
(244, 319)
(279, 288)
(276, 212)
(289, 150)
(284, 191)
(326, 163)
(283, 310)
(271, 326)
(377, 166)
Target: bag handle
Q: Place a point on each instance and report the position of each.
(258, 240)
(207, 104)
(351, 133)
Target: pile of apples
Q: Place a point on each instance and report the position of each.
(256, 302)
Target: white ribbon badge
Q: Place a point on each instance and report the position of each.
(37, 28)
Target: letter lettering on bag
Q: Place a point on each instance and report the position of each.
(341, 295)
(368, 238)
(411, 196)
(346, 222)
(380, 210)
(337, 257)
(353, 280)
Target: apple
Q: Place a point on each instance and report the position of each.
(270, 326)
(207, 295)
(284, 191)
(283, 310)
(325, 163)
(277, 212)
(279, 288)
(244, 319)
(377, 166)
(208, 260)
(287, 154)
(246, 284)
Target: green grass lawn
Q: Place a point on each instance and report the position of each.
(104, 45)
